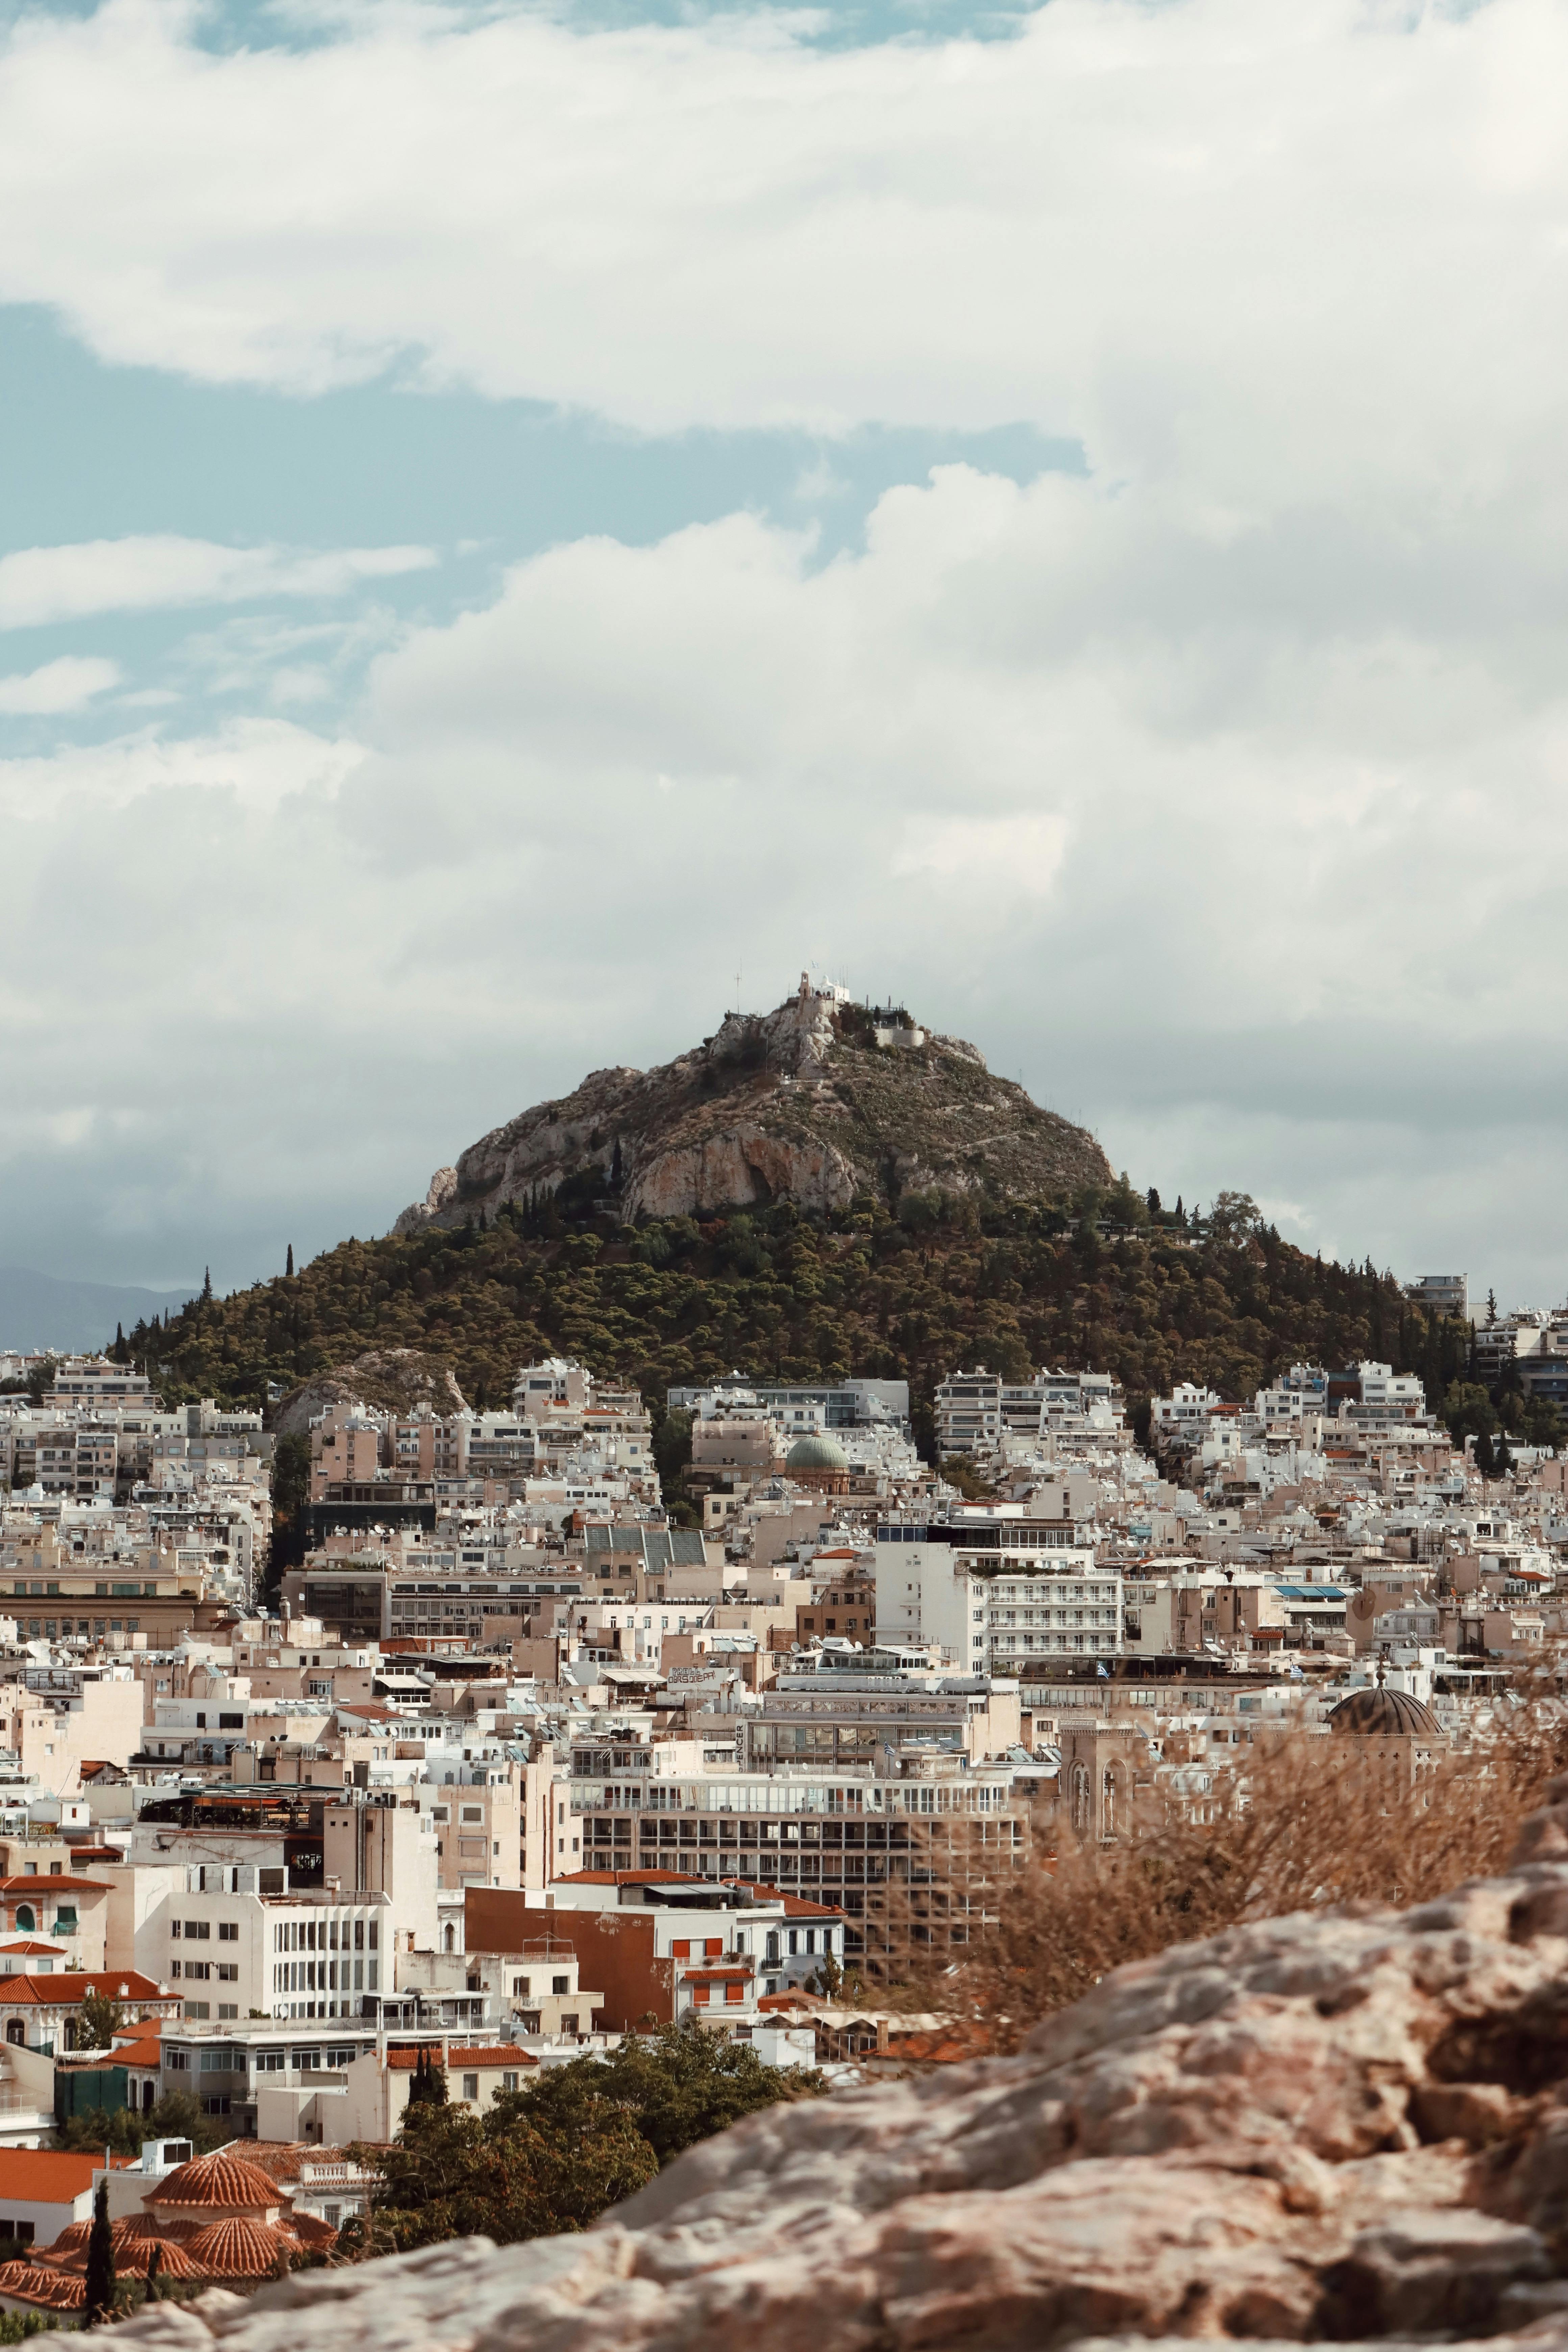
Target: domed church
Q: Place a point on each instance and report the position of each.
(819, 1462)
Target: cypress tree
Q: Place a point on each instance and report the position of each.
(428, 2087)
(99, 2261)
(289, 1269)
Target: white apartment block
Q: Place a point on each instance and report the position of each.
(1444, 1294)
(975, 1410)
(995, 1592)
(231, 1951)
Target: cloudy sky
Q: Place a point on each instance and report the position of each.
(517, 520)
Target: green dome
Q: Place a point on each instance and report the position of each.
(816, 1452)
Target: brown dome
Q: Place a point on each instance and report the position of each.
(238, 2250)
(134, 2258)
(1382, 1713)
(223, 2181)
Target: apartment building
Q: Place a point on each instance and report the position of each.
(996, 1589)
(977, 1411)
(231, 1950)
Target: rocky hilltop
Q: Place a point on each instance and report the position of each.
(1348, 2127)
(813, 1102)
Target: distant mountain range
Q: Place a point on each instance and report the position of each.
(38, 1312)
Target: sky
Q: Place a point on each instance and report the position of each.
(524, 526)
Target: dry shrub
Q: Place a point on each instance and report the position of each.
(1306, 1821)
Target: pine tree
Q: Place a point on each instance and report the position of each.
(1485, 1463)
(206, 1287)
(289, 1269)
(100, 2261)
(616, 1167)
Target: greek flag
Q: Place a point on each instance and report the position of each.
(1103, 1670)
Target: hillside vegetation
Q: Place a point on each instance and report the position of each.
(1103, 1281)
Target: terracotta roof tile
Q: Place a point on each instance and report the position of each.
(239, 2249)
(500, 2054)
(222, 2178)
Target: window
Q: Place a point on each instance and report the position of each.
(229, 1971)
(509, 2082)
(559, 1984)
(270, 2062)
(470, 2087)
(522, 1985)
(199, 1969)
(198, 1930)
(229, 1931)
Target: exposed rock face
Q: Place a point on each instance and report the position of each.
(1341, 2127)
(800, 1103)
(394, 1377)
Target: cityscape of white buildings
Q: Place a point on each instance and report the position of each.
(467, 1774)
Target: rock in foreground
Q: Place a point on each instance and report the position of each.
(1351, 2128)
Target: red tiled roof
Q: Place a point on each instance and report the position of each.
(49, 2175)
(35, 1882)
(795, 1905)
(220, 2178)
(33, 2283)
(500, 2054)
(73, 1985)
(239, 2249)
(134, 2254)
(148, 2054)
(623, 1878)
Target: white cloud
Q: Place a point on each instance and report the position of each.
(256, 762)
(1001, 856)
(1231, 893)
(43, 584)
(57, 687)
(1257, 246)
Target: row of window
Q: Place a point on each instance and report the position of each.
(325, 1975)
(23, 1590)
(326, 1935)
